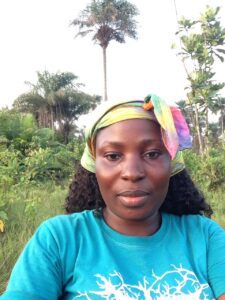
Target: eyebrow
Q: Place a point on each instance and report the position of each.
(143, 142)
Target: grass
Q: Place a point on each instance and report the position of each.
(26, 210)
(28, 206)
(216, 199)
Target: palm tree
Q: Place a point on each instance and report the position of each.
(56, 102)
(107, 20)
(41, 100)
(73, 104)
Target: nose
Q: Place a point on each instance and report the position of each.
(132, 169)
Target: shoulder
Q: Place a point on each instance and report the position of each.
(193, 220)
(71, 220)
(198, 223)
(67, 225)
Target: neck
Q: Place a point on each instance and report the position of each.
(137, 227)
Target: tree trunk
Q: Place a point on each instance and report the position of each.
(192, 113)
(198, 130)
(51, 121)
(222, 121)
(66, 131)
(105, 73)
(207, 127)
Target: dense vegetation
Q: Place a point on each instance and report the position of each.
(40, 143)
(35, 171)
(202, 43)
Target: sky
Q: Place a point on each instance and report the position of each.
(36, 36)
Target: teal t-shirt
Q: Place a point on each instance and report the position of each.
(79, 257)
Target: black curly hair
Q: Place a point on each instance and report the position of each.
(182, 197)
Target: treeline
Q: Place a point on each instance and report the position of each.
(40, 140)
(31, 156)
(36, 168)
(40, 143)
(39, 137)
(201, 48)
(56, 102)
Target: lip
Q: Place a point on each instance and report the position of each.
(133, 199)
(136, 193)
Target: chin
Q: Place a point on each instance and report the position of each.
(136, 215)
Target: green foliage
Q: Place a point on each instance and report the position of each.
(56, 103)
(208, 170)
(9, 175)
(202, 44)
(108, 20)
(49, 83)
(27, 207)
(16, 130)
(208, 173)
(214, 169)
(42, 138)
(33, 154)
(71, 105)
(44, 164)
(40, 164)
(14, 125)
(25, 204)
(10, 168)
(30, 156)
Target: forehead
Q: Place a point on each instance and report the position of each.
(130, 130)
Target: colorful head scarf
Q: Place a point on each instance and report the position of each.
(174, 129)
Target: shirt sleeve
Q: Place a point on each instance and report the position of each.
(37, 275)
(216, 259)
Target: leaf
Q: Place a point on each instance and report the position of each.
(221, 58)
(221, 50)
(3, 215)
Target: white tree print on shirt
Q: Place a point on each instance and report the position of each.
(185, 286)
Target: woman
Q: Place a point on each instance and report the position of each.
(140, 233)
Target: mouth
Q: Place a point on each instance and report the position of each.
(137, 193)
(136, 198)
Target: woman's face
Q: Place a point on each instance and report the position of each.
(133, 171)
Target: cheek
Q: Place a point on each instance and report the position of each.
(105, 185)
(168, 165)
(161, 175)
(103, 174)
(164, 166)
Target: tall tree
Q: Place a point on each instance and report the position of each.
(73, 104)
(56, 102)
(221, 109)
(202, 43)
(107, 20)
(41, 100)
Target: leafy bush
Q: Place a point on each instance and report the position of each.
(28, 206)
(10, 168)
(49, 163)
(209, 170)
(42, 138)
(213, 168)
(16, 125)
(208, 174)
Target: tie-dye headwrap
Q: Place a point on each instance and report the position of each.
(174, 129)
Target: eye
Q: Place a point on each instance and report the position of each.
(153, 154)
(112, 156)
